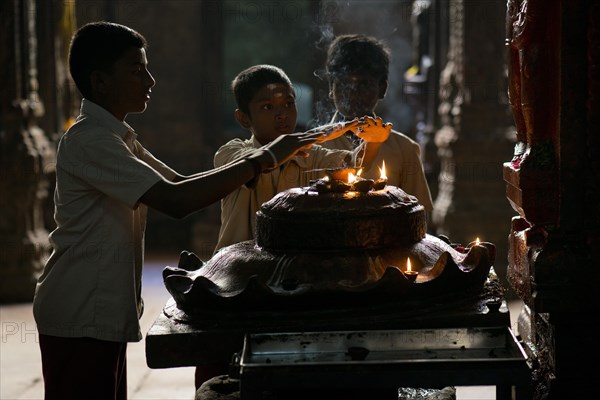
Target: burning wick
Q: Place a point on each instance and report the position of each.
(477, 242)
(359, 184)
(409, 273)
(382, 174)
(351, 178)
(382, 180)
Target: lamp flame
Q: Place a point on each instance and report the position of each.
(408, 264)
(477, 241)
(351, 177)
(382, 174)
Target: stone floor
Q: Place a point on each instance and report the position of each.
(20, 366)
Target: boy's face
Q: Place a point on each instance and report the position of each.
(126, 89)
(356, 95)
(272, 112)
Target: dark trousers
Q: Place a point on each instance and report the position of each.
(83, 368)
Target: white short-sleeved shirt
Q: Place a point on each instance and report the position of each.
(91, 284)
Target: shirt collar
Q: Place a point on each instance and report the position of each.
(121, 128)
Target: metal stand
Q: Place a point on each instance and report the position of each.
(379, 362)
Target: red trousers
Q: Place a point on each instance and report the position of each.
(83, 368)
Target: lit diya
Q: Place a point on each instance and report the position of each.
(346, 179)
(409, 272)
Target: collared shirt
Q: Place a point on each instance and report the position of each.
(91, 284)
(238, 209)
(403, 164)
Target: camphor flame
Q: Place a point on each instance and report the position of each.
(351, 177)
(382, 174)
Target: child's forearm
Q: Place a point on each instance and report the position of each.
(192, 194)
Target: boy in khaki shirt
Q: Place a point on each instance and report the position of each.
(267, 108)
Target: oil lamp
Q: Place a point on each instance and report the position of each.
(359, 184)
(409, 273)
(382, 180)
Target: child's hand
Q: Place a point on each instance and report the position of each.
(369, 129)
(287, 146)
(373, 130)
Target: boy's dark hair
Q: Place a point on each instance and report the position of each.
(248, 82)
(359, 54)
(96, 46)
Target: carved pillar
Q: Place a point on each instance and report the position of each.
(553, 182)
(429, 20)
(26, 155)
(472, 142)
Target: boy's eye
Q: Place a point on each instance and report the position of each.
(267, 106)
(290, 104)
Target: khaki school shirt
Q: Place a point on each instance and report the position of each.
(91, 284)
(238, 209)
(403, 165)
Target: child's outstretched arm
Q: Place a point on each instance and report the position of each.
(190, 194)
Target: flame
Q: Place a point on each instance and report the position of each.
(477, 241)
(359, 172)
(351, 177)
(408, 265)
(382, 171)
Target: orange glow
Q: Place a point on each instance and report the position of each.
(382, 174)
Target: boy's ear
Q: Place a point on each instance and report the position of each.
(98, 79)
(243, 119)
(383, 85)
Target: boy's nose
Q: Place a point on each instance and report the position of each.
(150, 79)
(280, 113)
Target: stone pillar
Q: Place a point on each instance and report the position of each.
(473, 142)
(26, 156)
(553, 182)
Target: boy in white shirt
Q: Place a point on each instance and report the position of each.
(88, 302)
